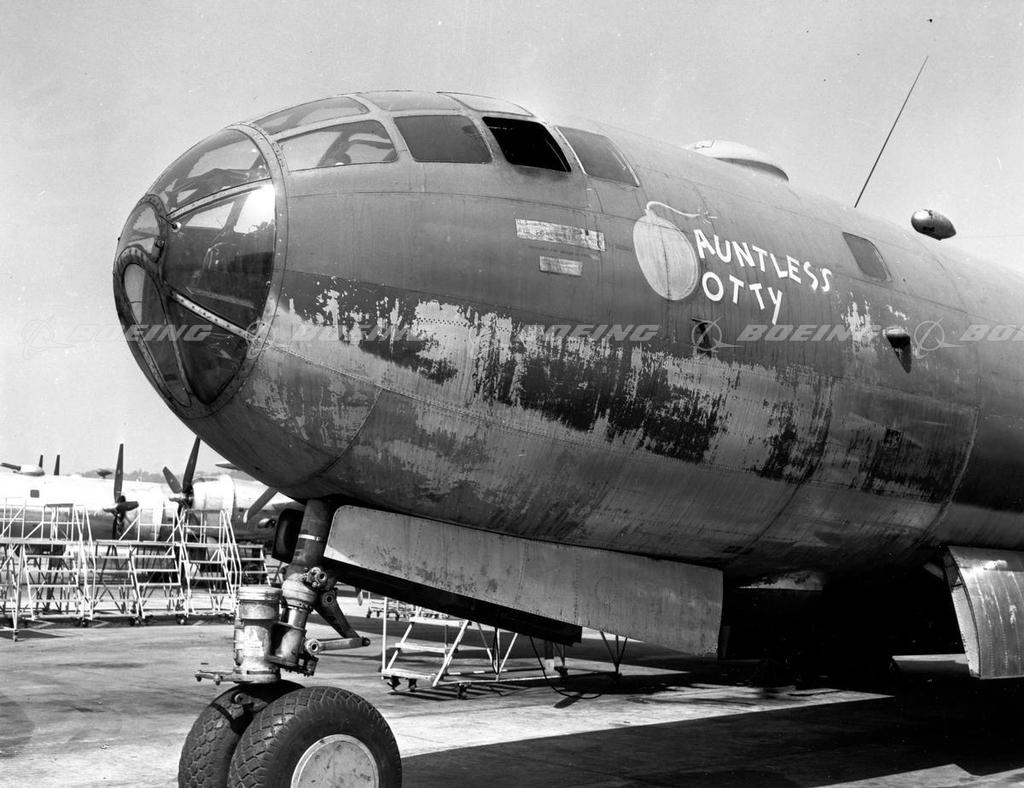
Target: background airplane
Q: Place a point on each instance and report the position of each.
(137, 509)
(31, 470)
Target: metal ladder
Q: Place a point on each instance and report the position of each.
(491, 648)
(48, 566)
(209, 563)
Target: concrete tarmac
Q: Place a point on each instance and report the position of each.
(111, 705)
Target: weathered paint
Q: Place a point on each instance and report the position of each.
(572, 584)
(988, 595)
(447, 387)
(533, 230)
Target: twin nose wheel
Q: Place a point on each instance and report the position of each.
(281, 734)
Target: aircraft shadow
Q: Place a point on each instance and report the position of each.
(923, 728)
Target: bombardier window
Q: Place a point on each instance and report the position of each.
(599, 156)
(447, 138)
(362, 142)
(868, 258)
(311, 112)
(527, 144)
(221, 256)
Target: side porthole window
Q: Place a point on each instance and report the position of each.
(869, 259)
(33, 493)
(527, 144)
(444, 138)
(599, 156)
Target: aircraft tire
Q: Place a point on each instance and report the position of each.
(206, 755)
(320, 735)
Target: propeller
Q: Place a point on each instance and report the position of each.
(257, 506)
(26, 470)
(183, 490)
(121, 506)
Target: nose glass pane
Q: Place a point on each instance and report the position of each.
(134, 282)
(141, 230)
(211, 356)
(222, 256)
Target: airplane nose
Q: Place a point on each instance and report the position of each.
(194, 266)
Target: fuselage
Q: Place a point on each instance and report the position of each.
(680, 358)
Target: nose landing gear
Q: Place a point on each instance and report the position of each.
(267, 732)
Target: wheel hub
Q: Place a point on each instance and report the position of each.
(336, 760)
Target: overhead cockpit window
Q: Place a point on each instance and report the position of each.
(362, 142)
(445, 138)
(599, 156)
(527, 144)
(400, 100)
(868, 258)
(486, 104)
(227, 159)
(311, 112)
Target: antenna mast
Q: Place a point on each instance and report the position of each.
(898, 114)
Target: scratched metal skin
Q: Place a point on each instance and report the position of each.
(760, 457)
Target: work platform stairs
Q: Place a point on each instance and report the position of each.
(466, 652)
(45, 569)
(51, 567)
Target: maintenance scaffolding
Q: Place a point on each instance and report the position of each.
(51, 568)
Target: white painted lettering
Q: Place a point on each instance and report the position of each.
(724, 256)
(776, 297)
(779, 271)
(810, 272)
(793, 268)
(760, 256)
(743, 256)
(702, 244)
(736, 285)
(706, 281)
(755, 288)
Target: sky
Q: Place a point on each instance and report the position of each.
(97, 98)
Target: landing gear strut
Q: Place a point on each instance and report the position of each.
(268, 732)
